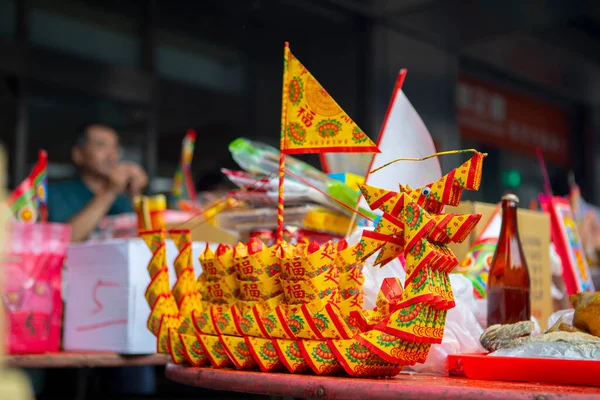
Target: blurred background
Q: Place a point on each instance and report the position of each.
(501, 76)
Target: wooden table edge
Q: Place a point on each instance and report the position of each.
(402, 386)
(83, 360)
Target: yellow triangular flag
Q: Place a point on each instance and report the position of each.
(314, 122)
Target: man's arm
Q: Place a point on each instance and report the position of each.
(84, 223)
(137, 180)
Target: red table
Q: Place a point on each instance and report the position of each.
(401, 387)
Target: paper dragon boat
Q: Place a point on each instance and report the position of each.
(300, 308)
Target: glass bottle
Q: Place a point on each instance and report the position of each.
(508, 299)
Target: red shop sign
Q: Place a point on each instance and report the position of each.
(498, 117)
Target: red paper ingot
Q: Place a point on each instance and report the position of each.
(217, 265)
(306, 291)
(413, 323)
(259, 263)
(159, 286)
(223, 320)
(183, 241)
(203, 322)
(165, 305)
(217, 355)
(346, 257)
(347, 309)
(155, 240)
(238, 351)
(389, 347)
(193, 350)
(249, 317)
(308, 265)
(320, 357)
(274, 323)
(301, 307)
(189, 303)
(167, 324)
(202, 287)
(291, 356)
(264, 353)
(246, 320)
(186, 284)
(359, 361)
(351, 283)
(223, 290)
(303, 325)
(176, 347)
(260, 290)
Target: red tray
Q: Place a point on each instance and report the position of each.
(540, 370)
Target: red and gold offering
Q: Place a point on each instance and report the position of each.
(300, 308)
(172, 309)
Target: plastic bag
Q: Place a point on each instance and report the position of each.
(566, 315)
(557, 272)
(481, 312)
(556, 349)
(552, 350)
(555, 262)
(462, 331)
(33, 259)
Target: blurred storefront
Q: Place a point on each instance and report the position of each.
(154, 69)
(513, 126)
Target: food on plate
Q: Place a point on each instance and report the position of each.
(499, 336)
(560, 341)
(587, 312)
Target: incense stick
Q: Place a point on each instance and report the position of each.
(351, 226)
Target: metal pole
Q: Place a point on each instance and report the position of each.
(148, 62)
(21, 134)
(21, 128)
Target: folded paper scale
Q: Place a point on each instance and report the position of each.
(300, 308)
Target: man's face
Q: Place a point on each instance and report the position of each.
(100, 151)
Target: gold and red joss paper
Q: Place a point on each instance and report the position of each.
(300, 308)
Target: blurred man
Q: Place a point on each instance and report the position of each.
(104, 186)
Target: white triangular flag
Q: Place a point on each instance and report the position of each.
(403, 134)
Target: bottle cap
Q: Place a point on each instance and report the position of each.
(510, 197)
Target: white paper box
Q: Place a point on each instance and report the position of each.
(105, 306)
